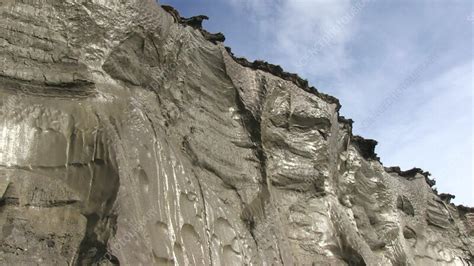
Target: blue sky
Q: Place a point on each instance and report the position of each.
(403, 70)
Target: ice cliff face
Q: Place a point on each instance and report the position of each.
(130, 135)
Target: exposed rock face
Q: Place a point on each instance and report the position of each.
(129, 138)
(196, 23)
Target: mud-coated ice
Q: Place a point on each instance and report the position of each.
(127, 137)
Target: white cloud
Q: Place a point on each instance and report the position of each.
(432, 131)
(307, 36)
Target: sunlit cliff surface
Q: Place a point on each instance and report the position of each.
(130, 135)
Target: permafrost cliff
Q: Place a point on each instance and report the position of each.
(129, 135)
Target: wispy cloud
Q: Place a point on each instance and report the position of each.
(434, 131)
(307, 36)
(393, 97)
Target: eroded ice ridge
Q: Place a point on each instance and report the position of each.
(130, 135)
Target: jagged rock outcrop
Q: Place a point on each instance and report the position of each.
(196, 23)
(127, 137)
